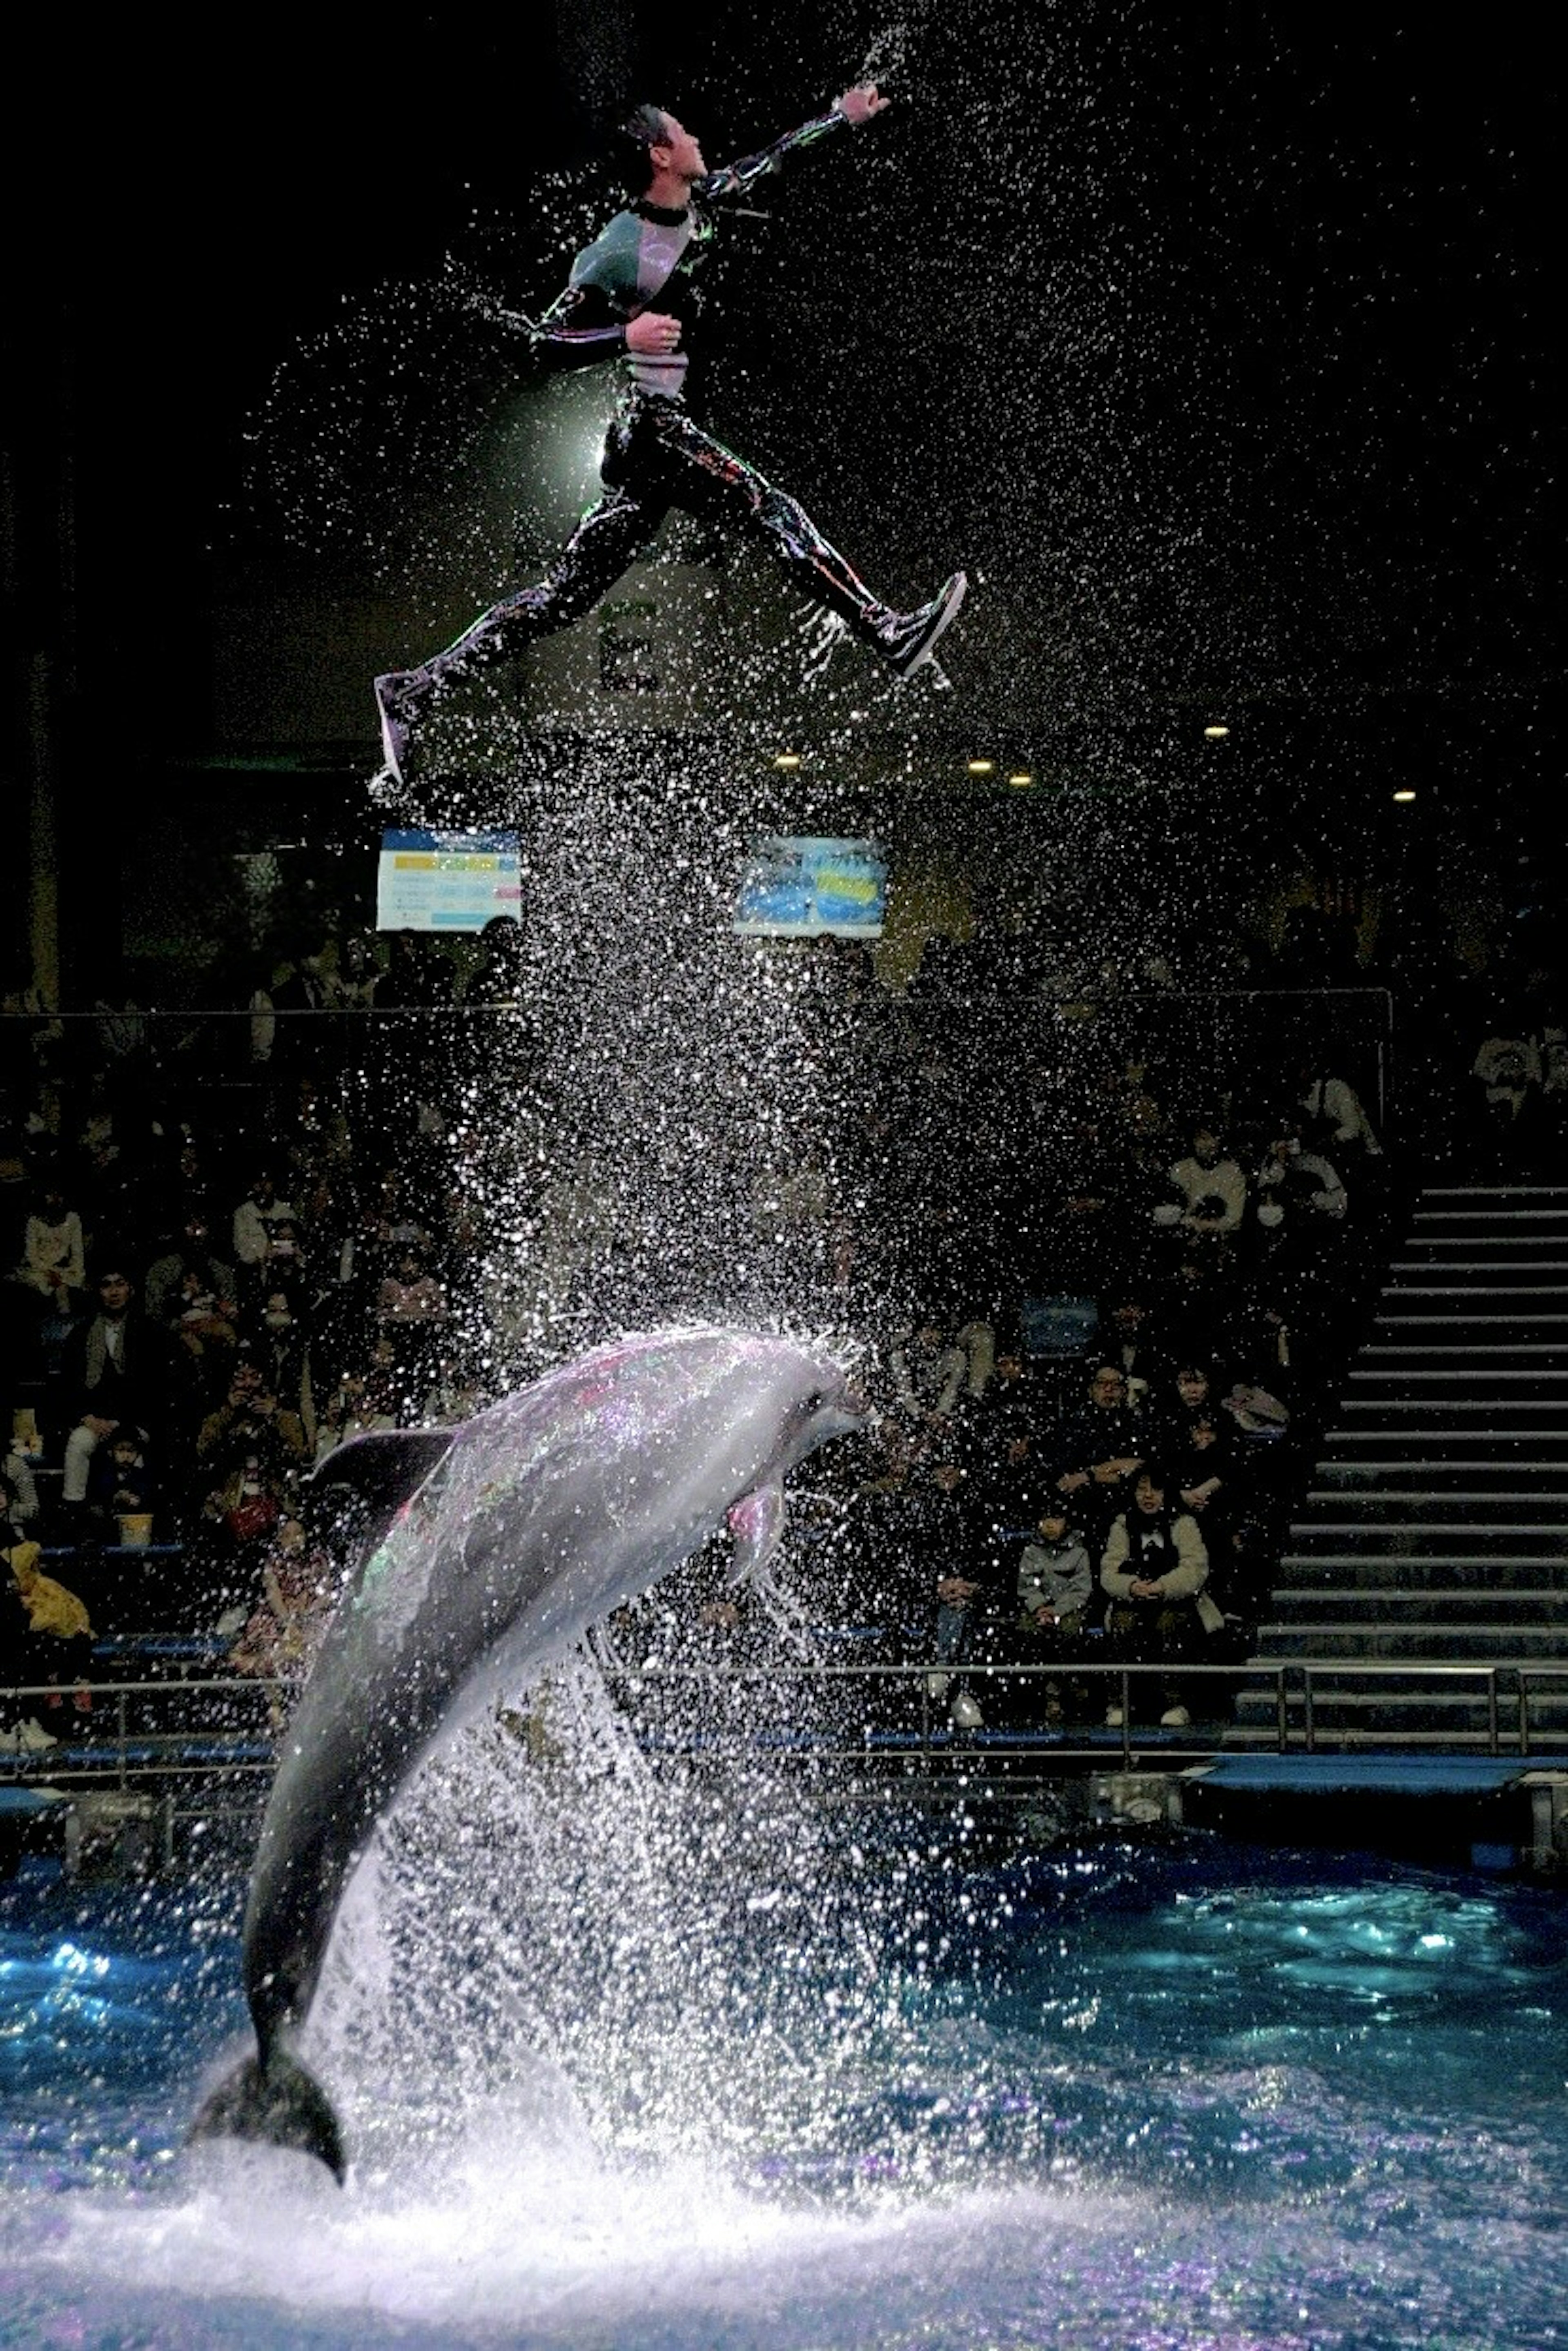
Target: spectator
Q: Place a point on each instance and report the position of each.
(51, 1638)
(250, 1421)
(281, 1633)
(119, 1481)
(190, 1252)
(119, 1368)
(280, 1351)
(1334, 1110)
(1210, 1191)
(946, 1534)
(1127, 1339)
(255, 1220)
(54, 1258)
(1154, 1570)
(1298, 1184)
(1055, 1591)
(1092, 1460)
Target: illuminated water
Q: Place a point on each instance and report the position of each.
(941, 2092)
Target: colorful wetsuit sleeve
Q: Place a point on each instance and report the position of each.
(736, 178)
(579, 329)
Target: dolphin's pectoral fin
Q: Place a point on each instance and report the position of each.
(756, 1522)
(280, 2103)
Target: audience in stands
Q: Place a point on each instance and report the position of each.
(1015, 1511)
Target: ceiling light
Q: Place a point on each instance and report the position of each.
(1216, 734)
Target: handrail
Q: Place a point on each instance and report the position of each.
(1297, 1684)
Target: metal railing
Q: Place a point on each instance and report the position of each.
(124, 1752)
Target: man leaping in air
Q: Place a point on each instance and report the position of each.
(633, 296)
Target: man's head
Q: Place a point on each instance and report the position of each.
(1192, 1386)
(114, 1294)
(1108, 1388)
(654, 146)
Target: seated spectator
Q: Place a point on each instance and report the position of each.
(22, 1450)
(255, 1220)
(251, 1420)
(205, 1324)
(1295, 1183)
(946, 1535)
(410, 1292)
(1508, 1068)
(119, 1482)
(49, 1637)
(284, 1263)
(1126, 1339)
(281, 1635)
(1202, 1454)
(280, 1350)
(1055, 1591)
(1334, 1108)
(1209, 1191)
(190, 1252)
(54, 1261)
(245, 1505)
(118, 1368)
(930, 1374)
(1154, 1570)
(1091, 1461)
(355, 1408)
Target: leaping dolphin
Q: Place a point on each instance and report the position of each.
(508, 1537)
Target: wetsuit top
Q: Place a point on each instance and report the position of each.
(644, 261)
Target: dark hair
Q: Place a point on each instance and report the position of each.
(642, 129)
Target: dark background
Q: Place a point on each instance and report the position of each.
(1220, 342)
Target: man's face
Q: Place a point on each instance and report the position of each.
(679, 152)
(114, 1293)
(1192, 1387)
(1107, 1387)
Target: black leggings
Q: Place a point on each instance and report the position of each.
(655, 458)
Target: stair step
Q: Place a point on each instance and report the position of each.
(1551, 1408)
(1404, 1434)
(1415, 1536)
(1428, 1644)
(1418, 1569)
(1438, 1604)
(1503, 1466)
(1468, 1350)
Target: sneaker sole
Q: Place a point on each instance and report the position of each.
(952, 598)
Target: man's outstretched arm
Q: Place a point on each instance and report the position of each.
(855, 106)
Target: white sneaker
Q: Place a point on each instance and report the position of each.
(32, 1738)
(964, 1714)
(936, 1684)
(1114, 1718)
(1176, 1718)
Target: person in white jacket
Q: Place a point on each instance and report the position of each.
(1153, 1571)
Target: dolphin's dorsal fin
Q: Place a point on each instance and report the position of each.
(385, 1466)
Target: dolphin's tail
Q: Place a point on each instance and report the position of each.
(281, 2102)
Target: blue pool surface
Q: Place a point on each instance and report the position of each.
(1168, 2093)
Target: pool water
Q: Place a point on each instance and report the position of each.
(914, 2085)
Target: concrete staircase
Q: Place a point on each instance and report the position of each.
(1435, 1533)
